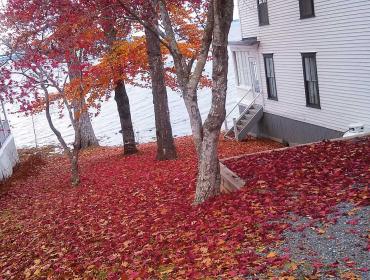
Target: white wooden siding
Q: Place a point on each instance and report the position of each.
(340, 35)
(248, 18)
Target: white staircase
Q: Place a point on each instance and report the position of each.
(246, 120)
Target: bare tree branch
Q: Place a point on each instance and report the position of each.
(203, 53)
(151, 27)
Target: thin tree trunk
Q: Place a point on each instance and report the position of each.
(123, 103)
(191, 104)
(123, 107)
(72, 155)
(208, 182)
(188, 77)
(166, 149)
(75, 179)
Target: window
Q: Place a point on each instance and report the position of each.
(270, 76)
(254, 74)
(306, 8)
(263, 13)
(311, 83)
(241, 67)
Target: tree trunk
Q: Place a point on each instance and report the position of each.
(88, 138)
(208, 182)
(77, 146)
(209, 178)
(75, 178)
(123, 107)
(72, 155)
(166, 149)
(191, 104)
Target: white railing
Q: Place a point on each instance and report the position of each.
(235, 107)
(247, 109)
(236, 120)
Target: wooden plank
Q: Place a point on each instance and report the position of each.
(229, 180)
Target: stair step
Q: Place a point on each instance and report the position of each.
(251, 112)
(245, 126)
(228, 137)
(245, 123)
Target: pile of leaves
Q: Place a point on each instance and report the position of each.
(132, 217)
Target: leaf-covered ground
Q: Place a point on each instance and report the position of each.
(133, 218)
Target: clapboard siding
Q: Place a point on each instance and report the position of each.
(248, 18)
(340, 35)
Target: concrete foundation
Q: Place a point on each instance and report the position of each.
(291, 131)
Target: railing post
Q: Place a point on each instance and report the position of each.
(4, 132)
(226, 128)
(235, 128)
(3, 109)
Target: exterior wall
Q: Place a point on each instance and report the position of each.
(340, 35)
(290, 131)
(248, 17)
(8, 158)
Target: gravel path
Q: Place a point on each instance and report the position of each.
(336, 250)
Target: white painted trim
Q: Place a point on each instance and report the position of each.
(242, 87)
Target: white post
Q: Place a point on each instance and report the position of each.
(235, 129)
(34, 130)
(137, 137)
(2, 130)
(3, 107)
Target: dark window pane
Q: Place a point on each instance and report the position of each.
(263, 15)
(310, 79)
(306, 8)
(272, 86)
(270, 76)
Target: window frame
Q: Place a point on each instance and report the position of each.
(269, 96)
(307, 93)
(259, 16)
(236, 68)
(301, 9)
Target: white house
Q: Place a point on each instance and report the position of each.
(305, 64)
(8, 151)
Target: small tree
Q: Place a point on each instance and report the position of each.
(30, 20)
(33, 81)
(41, 69)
